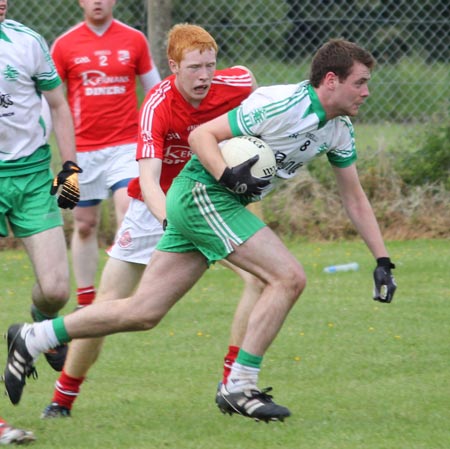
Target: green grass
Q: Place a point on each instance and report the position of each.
(356, 374)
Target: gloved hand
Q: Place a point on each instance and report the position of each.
(384, 282)
(66, 182)
(240, 180)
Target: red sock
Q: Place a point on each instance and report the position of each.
(228, 362)
(67, 389)
(85, 295)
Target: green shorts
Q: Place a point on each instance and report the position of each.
(206, 218)
(26, 203)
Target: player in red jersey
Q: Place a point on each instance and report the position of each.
(12, 435)
(195, 93)
(100, 59)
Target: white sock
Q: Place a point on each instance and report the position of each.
(39, 337)
(242, 378)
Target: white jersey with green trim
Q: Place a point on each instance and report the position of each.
(26, 69)
(292, 121)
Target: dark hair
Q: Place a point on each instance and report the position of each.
(338, 56)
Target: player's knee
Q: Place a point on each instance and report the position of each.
(59, 297)
(294, 281)
(55, 288)
(86, 228)
(55, 296)
(147, 323)
(143, 311)
(145, 319)
(84, 232)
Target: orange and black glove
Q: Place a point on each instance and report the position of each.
(65, 185)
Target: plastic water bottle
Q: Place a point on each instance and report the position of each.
(353, 266)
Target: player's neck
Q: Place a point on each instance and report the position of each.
(327, 103)
(99, 28)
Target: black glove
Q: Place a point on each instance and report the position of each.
(66, 182)
(240, 180)
(384, 282)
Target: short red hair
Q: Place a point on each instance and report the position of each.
(185, 37)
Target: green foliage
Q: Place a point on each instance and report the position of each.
(417, 155)
(424, 157)
(309, 204)
(356, 374)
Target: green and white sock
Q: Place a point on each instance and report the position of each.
(44, 336)
(244, 372)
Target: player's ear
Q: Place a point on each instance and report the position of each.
(330, 80)
(174, 67)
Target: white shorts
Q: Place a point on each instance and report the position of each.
(104, 171)
(137, 237)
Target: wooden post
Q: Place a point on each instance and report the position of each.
(159, 22)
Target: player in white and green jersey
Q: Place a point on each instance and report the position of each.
(272, 113)
(207, 221)
(26, 71)
(300, 123)
(27, 209)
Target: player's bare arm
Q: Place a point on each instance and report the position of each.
(149, 79)
(62, 123)
(359, 209)
(149, 180)
(204, 143)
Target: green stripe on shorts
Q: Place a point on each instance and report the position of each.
(206, 218)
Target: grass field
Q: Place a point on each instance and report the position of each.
(356, 374)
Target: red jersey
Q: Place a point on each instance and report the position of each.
(100, 74)
(166, 119)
